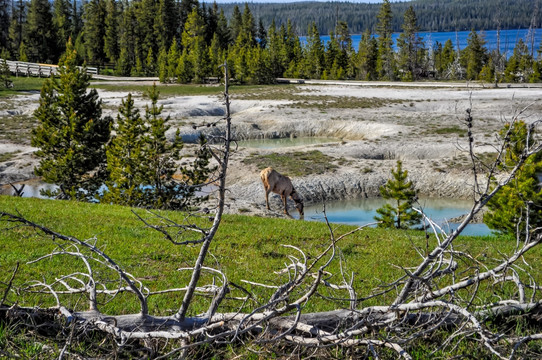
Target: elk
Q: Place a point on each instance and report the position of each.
(282, 185)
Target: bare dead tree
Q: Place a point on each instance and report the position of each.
(440, 293)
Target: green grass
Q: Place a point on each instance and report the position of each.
(245, 247)
(298, 163)
(22, 84)
(179, 89)
(312, 101)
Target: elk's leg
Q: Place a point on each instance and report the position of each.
(267, 199)
(285, 201)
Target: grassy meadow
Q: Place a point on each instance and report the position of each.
(245, 248)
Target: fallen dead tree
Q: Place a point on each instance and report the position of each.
(437, 299)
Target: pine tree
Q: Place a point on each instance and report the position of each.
(223, 32)
(5, 73)
(125, 154)
(128, 42)
(215, 57)
(194, 49)
(4, 24)
(16, 27)
(236, 23)
(384, 29)
(508, 208)
(400, 215)
(39, 33)
(62, 20)
(520, 64)
(261, 34)
(145, 12)
(367, 56)
(71, 132)
(94, 30)
(160, 189)
(162, 66)
(166, 23)
(173, 58)
(111, 40)
(474, 56)
(314, 50)
(185, 9)
(409, 44)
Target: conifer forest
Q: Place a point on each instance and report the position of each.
(185, 41)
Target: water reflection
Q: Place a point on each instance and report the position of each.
(31, 188)
(363, 211)
(285, 142)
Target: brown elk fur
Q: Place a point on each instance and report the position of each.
(282, 185)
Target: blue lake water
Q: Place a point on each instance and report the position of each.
(362, 212)
(508, 39)
(350, 212)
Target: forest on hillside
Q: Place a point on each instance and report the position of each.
(186, 41)
(433, 15)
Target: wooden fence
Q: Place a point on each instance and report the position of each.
(40, 70)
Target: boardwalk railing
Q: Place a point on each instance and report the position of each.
(40, 70)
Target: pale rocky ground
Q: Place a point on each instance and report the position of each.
(369, 140)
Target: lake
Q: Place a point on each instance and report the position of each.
(350, 212)
(362, 212)
(508, 39)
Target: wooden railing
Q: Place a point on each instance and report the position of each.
(40, 70)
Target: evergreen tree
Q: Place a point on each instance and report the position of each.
(400, 215)
(22, 53)
(161, 163)
(71, 132)
(314, 54)
(18, 18)
(211, 23)
(111, 40)
(474, 56)
(291, 51)
(94, 30)
(162, 66)
(125, 154)
(173, 58)
(194, 49)
(449, 59)
(236, 23)
(5, 73)
(185, 9)
(520, 65)
(39, 33)
(384, 29)
(166, 23)
(367, 56)
(128, 42)
(261, 35)
(508, 208)
(4, 24)
(62, 20)
(344, 55)
(274, 52)
(409, 44)
(223, 33)
(150, 64)
(145, 11)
